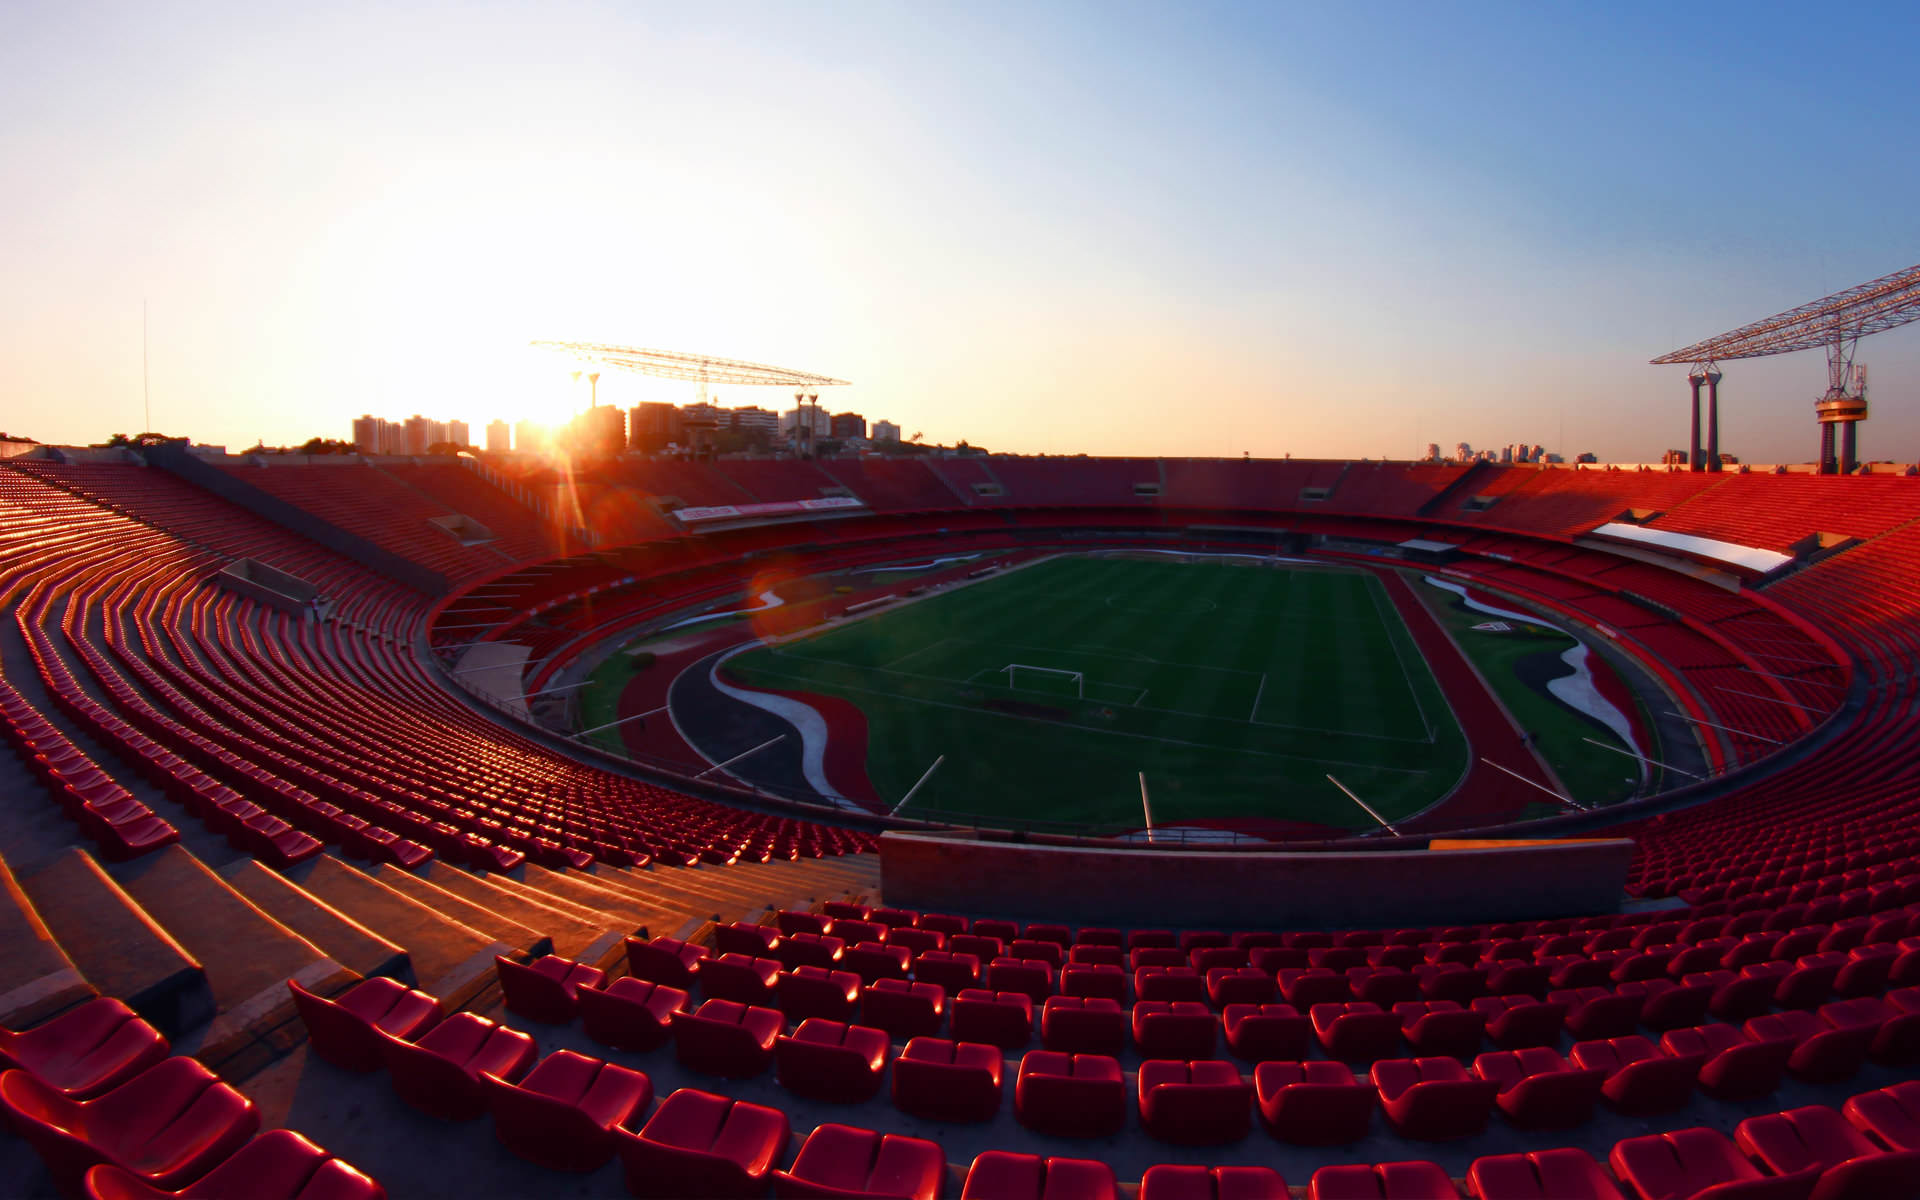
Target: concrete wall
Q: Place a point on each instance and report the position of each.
(1234, 890)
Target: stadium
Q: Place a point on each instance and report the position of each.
(987, 825)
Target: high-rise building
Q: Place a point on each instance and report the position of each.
(651, 426)
(457, 433)
(499, 437)
(847, 426)
(792, 420)
(368, 436)
(885, 431)
(602, 430)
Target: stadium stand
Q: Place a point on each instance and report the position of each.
(315, 847)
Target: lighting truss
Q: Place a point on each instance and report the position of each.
(1832, 321)
(701, 368)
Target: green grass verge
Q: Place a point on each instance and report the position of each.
(1235, 689)
(1591, 775)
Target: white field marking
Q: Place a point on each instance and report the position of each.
(1121, 733)
(1255, 710)
(1377, 589)
(917, 653)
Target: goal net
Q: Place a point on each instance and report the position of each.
(1051, 680)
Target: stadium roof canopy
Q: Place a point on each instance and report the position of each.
(702, 368)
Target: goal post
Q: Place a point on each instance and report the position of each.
(1075, 678)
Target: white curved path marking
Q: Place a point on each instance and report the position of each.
(767, 600)
(799, 714)
(1576, 691)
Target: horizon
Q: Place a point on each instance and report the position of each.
(1114, 230)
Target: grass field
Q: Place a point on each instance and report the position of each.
(1236, 689)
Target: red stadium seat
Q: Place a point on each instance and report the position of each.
(1433, 1099)
(1640, 1079)
(1822, 1052)
(629, 1013)
(277, 1165)
(1072, 1025)
(665, 960)
(801, 949)
(946, 970)
(1194, 1103)
(726, 1038)
(1381, 1181)
(1598, 1013)
(1264, 1032)
(1094, 980)
(1169, 1182)
(754, 941)
(1516, 1022)
(1541, 1175)
(940, 1080)
(561, 1115)
(346, 1032)
(1240, 985)
(1440, 1027)
(1819, 1139)
(1070, 1095)
(439, 1074)
(1000, 1175)
(1003, 1019)
(839, 1162)
(808, 991)
(546, 989)
(700, 1144)
(740, 978)
(1179, 1029)
(1891, 1115)
(904, 1010)
(1732, 1065)
(1032, 977)
(1356, 1032)
(1687, 1162)
(1313, 1103)
(86, 1050)
(1304, 988)
(872, 960)
(828, 1060)
(1539, 1089)
(168, 1125)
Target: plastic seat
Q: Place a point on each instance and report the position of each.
(1385, 986)
(1541, 1175)
(1194, 1103)
(904, 1010)
(839, 1162)
(946, 970)
(809, 991)
(854, 930)
(872, 960)
(1891, 1115)
(1433, 1099)
(1304, 988)
(1822, 1052)
(629, 1013)
(277, 1165)
(832, 1061)
(726, 1038)
(1898, 1041)
(1176, 1029)
(665, 960)
(740, 978)
(1516, 1022)
(561, 1115)
(1355, 1032)
(1240, 985)
(1665, 1004)
(1689, 1161)
(1732, 1065)
(1170, 1182)
(1003, 1019)
(547, 988)
(1032, 977)
(700, 1144)
(792, 921)
(941, 1080)
(1051, 953)
(168, 1125)
(1381, 1181)
(1539, 1089)
(86, 1050)
(1070, 1095)
(1440, 1027)
(1315, 1103)
(1640, 1079)
(1598, 1013)
(346, 1031)
(754, 941)
(810, 950)
(1266, 1032)
(1073, 1025)
(1002, 1175)
(1094, 980)
(1819, 1139)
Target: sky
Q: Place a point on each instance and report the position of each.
(1327, 230)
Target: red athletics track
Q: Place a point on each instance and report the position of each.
(1486, 795)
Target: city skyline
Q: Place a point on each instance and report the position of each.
(1044, 231)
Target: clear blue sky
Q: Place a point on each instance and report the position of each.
(1323, 229)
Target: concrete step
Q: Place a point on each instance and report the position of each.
(451, 960)
(247, 955)
(343, 939)
(670, 891)
(587, 940)
(116, 946)
(36, 977)
(702, 886)
(635, 909)
(496, 925)
(769, 886)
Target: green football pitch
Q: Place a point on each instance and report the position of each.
(1235, 689)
